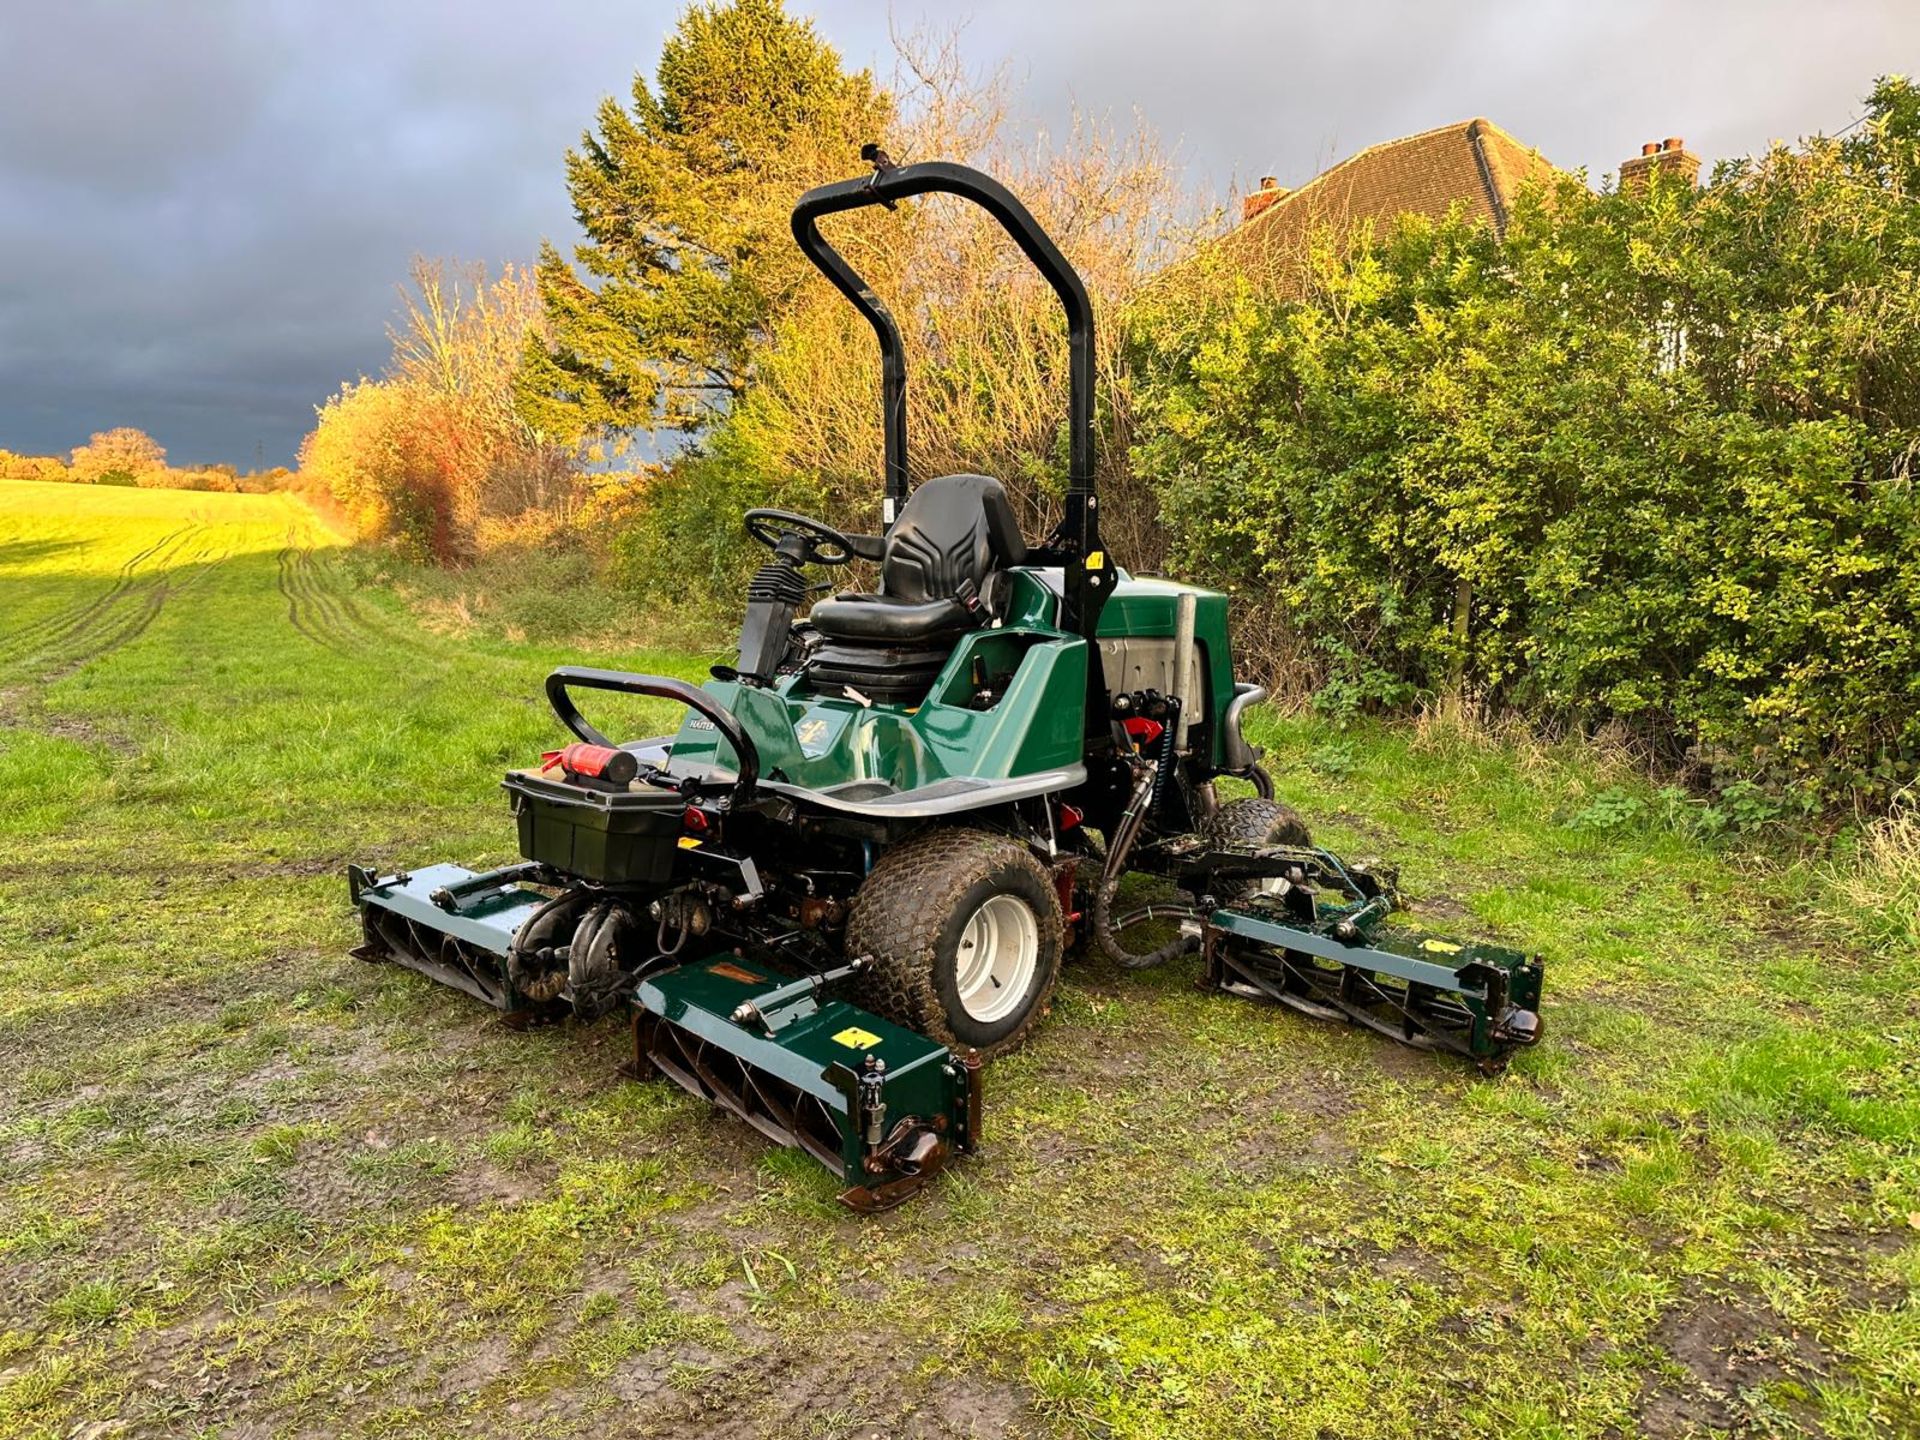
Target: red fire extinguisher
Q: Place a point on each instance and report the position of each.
(581, 761)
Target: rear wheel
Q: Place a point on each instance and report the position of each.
(966, 934)
(1256, 822)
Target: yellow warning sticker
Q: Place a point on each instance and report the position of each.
(854, 1038)
(689, 842)
(1440, 947)
(1097, 560)
(812, 735)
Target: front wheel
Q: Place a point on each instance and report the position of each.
(966, 935)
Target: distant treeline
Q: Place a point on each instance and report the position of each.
(126, 456)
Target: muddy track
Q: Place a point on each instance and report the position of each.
(32, 638)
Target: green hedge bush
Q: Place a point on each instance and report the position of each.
(1646, 456)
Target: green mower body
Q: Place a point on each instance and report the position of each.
(855, 869)
(1008, 706)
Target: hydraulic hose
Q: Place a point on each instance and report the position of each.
(528, 970)
(1132, 820)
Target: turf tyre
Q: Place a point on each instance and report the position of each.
(912, 914)
(1252, 820)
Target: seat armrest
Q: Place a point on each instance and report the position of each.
(868, 547)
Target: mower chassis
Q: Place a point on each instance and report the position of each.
(717, 902)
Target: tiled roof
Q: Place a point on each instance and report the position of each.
(1474, 163)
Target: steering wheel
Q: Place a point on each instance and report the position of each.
(817, 542)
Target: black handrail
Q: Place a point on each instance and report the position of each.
(889, 184)
(626, 683)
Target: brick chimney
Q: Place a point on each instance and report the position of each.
(1669, 156)
(1270, 190)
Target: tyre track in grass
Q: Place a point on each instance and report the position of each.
(313, 607)
(102, 640)
(96, 628)
(376, 629)
(49, 629)
(119, 620)
(320, 608)
(324, 603)
(291, 590)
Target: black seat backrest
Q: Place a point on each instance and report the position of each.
(955, 529)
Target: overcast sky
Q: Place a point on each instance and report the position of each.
(205, 204)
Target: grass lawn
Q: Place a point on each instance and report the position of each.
(250, 1186)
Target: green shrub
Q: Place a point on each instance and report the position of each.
(1645, 457)
(682, 550)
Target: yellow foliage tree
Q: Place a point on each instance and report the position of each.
(985, 340)
(369, 447)
(32, 467)
(435, 447)
(124, 455)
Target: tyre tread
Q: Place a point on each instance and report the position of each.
(901, 909)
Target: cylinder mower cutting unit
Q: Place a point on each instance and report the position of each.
(854, 871)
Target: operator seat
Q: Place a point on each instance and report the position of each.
(937, 565)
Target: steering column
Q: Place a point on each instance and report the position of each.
(777, 590)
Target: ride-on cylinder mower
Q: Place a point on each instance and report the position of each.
(853, 872)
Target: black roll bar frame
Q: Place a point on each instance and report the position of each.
(1075, 543)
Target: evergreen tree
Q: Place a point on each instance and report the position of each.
(684, 199)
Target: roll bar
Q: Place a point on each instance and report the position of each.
(662, 687)
(1077, 540)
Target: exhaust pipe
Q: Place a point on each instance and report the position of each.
(1184, 606)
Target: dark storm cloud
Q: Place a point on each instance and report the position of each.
(204, 208)
(205, 205)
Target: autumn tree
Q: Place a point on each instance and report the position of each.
(32, 467)
(371, 450)
(119, 455)
(435, 448)
(684, 198)
(459, 347)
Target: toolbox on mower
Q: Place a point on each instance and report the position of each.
(855, 870)
(614, 837)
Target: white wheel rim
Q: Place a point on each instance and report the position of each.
(999, 951)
